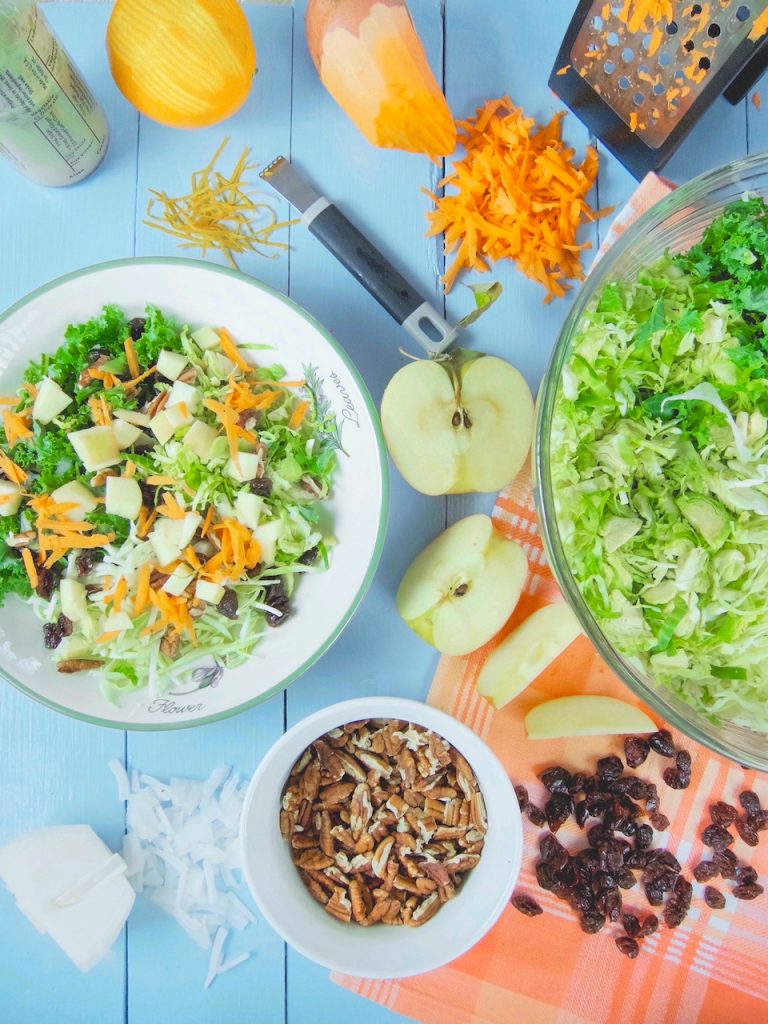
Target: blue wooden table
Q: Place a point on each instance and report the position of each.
(53, 770)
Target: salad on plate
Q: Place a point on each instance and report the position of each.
(160, 496)
(659, 463)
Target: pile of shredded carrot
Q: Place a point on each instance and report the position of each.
(519, 195)
(218, 213)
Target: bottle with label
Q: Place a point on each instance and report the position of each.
(51, 127)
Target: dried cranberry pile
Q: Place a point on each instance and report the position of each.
(620, 853)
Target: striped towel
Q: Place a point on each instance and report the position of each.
(713, 969)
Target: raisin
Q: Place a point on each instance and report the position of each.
(750, 802)
(705, 870)
(309, 557)
(649, 926)
(64, 625)
(535, 815)
(628, 947)
(526, 904)
(626, 880)
(636, 750)
(609, 767)
(591, 923)
(522, 796)
(651, 798)
(280, 611)
(636, 859)
(674, 913)
(684, 891)
(723, 814)
(654, 895)
(644, 837)
(713, 897)
(662, 743)
(84, 564)
(51, 636)
(45, 584)
(577, 783)
(227, 606)
(667, 858)
(630, 924)
(683, 762)
(580, 813)
(747, 892)
(727, 863)
(747, 831)
(716, 836)
(581, 899)
(551, 849)
(545, 876)
(558, 810)
(136, 327)
(746, 875)
(262, 485)
(598, 834)
(556, 780)
(676, 779)
(660, 821)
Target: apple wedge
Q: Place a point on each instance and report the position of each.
(526, 652)
(585, 715)
(459, 423)
(463, 587)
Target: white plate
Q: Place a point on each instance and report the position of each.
(379, 951)
(197, 293)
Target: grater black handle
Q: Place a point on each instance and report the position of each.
(749, 75)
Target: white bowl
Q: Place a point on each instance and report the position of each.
(379, 951)
(199, 293)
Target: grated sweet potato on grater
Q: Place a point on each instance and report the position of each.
(519, 196)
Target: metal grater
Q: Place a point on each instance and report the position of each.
(639, 73)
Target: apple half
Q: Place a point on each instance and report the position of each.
(463, 587)
(459, 423)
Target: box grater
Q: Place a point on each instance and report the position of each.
(639, 73)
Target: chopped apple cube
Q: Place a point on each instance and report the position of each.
(268, 534)
(76, 647)
(178, 581)
(171, 364)
(73, 599)
(219, 365)
(209, 592)
(116, 622)
(10, 498)
(199, 439)
(123, 497)
(526, 652)
(78, 495)
(246, 468)
(164, 542)
(188, 527)
(206, 338)
(248, 509)
(49, 401)
(140, 419)
(96, 446)
(186, 393)
(178, 415)
(125, 433)
(162, 427)
(586, 715)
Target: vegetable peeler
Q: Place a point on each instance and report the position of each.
(639, 75)
(351, 248)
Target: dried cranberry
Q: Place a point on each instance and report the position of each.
(747, 831)
(526, 904)
(727, 863)
(750, 802)
(64, 625)
(723, 814)
(51, 636)
(644, 837)
(649, 926)
(558, 810)
(662, 743)
(676, 779)
(683, 762)
(262, 485)
(522, 796)
(747, 892)
(630, 924)
(636, 750)
(609, 767)
(556, 779)
(580, 813)
(705, 870)
(227, 606)
(716, 836)
(591, 923)
(535, 815)
(136, 327)
(660, 821)
(746, 875)
(713, 898)
(628, 947)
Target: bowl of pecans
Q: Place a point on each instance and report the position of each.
(381, 812)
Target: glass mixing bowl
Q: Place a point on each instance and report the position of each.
(676, 223)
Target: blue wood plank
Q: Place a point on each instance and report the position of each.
(52, 769)
(177, 994)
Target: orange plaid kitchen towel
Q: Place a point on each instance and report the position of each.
(713, 969)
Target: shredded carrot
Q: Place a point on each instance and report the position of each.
(563, 70)
(207, 521)
(14, 473)
(170, 507)
(29, 565)
(519, 196)
(130, 469)
(130, 356)
(156, 626)
(287, 383)
(231, 351)
(759, 26)
(162, 480)
(191, 556)
(109, 380)
(143, 528)
(137, 380)
(9, 399)
(15, 427)
(756, 100)
(182, 407)
(141, 599)
(298, 414)
(29, 388)
(105, 638)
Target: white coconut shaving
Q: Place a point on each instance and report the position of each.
(182, 852)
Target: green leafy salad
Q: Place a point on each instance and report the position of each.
(160, 496)
(660, 466)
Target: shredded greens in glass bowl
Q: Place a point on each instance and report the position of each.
(659, 466)
(160, 496)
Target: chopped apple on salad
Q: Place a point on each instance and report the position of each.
(159, 496)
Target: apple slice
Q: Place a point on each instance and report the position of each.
(526, 652)
(585, 715)
(463, 587)
(458, 423)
